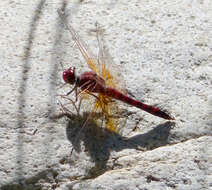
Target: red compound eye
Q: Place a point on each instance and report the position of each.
(69, 75)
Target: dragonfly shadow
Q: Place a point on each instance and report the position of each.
(157, 137)
(99, 142)
(94, 138)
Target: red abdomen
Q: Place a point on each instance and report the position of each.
(150, 109)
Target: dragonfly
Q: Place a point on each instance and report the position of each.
(102, 84)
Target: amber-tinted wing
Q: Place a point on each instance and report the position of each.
(110, 110)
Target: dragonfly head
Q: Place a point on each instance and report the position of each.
(69, 75)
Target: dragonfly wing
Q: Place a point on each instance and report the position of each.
(85, 51)
(110, 112)
(108, 69)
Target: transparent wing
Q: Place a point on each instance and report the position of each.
(108, 69)
(86, 53)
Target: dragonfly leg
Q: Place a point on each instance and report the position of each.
(71, 101)
(75, 87)
(76, 94)
(88, 86)
(65, 111)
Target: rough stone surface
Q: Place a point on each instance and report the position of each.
(163, 49)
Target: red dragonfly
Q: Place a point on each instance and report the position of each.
(100, 81)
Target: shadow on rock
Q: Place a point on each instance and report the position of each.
(99, 142)
(34, 182)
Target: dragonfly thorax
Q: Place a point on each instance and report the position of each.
(69, 75)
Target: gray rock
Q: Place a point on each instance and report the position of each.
(162, 48)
